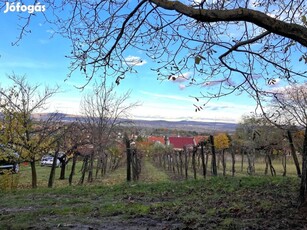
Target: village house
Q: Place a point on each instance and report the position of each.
(178, 143)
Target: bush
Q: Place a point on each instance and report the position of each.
(8, 181)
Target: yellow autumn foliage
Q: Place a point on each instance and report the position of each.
(221, 141)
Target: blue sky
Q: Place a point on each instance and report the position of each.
(42, 60)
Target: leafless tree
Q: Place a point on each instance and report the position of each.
(288, 105)
(289, 108)
(22, 129)
(256, 135)
(73, 135)
(103, 111)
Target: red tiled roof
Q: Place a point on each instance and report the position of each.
(180, 142)
(155, 139)
(198, 139)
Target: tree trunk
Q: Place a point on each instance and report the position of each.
(233, 158)
(251, 163)
(284, 164)
(174, 162)
(213, 160)
(91, 168)
(176, 168)
(177, 163)
(293, 153)
(186, 164)
(223, 162)
(181, 162)
(303, 185)
(242, 159)
(98, 167)
(63, 164)
(169, 161)
(219, 159)
(135, 165)
(102, 171)
(63, 167)
(203, 158)
(272, 170)
(266, 165)
(207, 160)
(84, 168)
(194, 161)
(52, 171)
(33, 173)
(105, 163)
(128, 159)
(73, 167)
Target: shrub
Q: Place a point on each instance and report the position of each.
(8, 181)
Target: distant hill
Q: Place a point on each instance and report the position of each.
(187, 125)
(197, 126)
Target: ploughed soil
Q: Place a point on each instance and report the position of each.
(213, 203)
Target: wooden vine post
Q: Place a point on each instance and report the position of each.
(128, 150)
(213, 162)
(202, 144)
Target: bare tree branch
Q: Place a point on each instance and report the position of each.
(273, 25)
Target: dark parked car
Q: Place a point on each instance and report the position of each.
(9, 160)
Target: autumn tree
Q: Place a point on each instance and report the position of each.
(222, 143)
(22, 129)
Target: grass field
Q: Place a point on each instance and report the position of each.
(149, 173)
(155, 202)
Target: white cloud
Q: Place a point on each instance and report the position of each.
(182, 108)
(135, 61)
(180, 78)
(159, 111)
(67, 105)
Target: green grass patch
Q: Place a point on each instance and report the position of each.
(245, 202)
(152, 174)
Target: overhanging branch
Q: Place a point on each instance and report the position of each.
(242, 43)
(290, 30)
